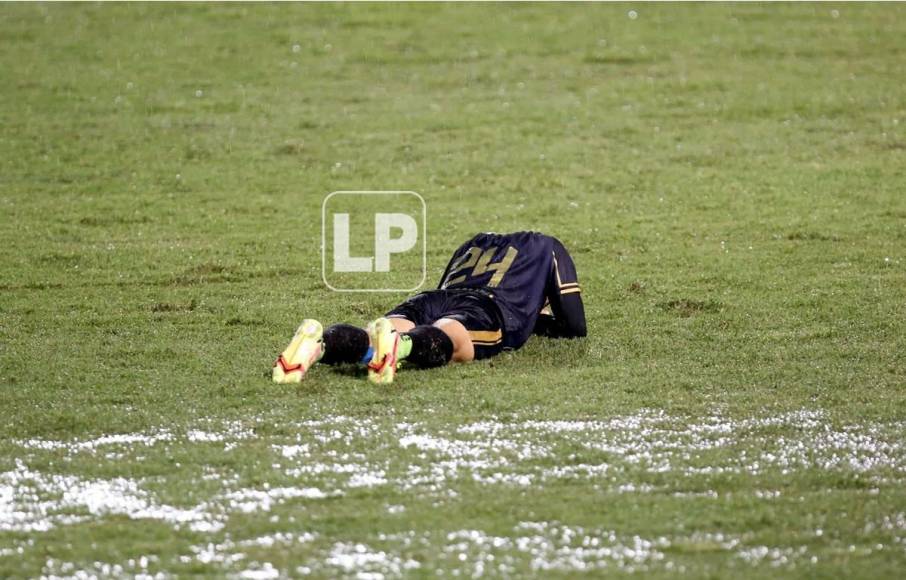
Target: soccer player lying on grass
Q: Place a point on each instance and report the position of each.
(497, 290)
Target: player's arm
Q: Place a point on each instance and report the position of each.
(564, 316)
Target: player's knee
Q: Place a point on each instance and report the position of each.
(463, 349)
(465, 354)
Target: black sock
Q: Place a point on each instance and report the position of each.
(344, 343)
(431, 347)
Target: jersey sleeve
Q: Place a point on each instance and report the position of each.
(564, 314)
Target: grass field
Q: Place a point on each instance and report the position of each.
(729, 178)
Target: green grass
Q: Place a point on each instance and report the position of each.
(729, 179)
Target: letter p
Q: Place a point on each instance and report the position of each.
(384, 244)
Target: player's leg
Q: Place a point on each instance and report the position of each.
(429, 330)
(339, 344)
(423, 345)
(463, 350)
(442, 327)
(405, 333)
(347, 344)
(471, 330)
(474, 324)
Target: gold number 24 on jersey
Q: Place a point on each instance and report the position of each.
(480, 262)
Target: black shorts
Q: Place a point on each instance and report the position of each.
(474, 310)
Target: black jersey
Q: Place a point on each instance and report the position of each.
(525, 273)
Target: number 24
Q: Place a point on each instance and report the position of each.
(480, 262)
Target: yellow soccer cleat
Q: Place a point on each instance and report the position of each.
(303, 351)
(385, 342)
